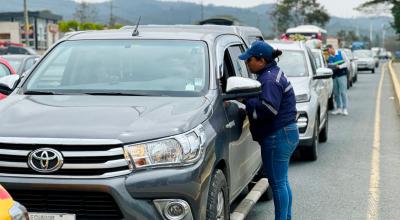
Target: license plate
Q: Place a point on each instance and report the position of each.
(51, 216)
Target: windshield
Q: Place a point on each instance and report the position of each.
(158, 67)
(293, 63)
(362, 53)
(15, 64)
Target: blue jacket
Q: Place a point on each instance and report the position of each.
(275, 108)
(337, 60)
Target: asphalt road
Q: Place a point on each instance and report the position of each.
(354, 177)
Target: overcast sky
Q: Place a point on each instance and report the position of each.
(341, 8)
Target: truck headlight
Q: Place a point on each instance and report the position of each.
(303, 97)
(177, 150)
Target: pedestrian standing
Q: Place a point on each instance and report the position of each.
(272, 118)
(340, 71)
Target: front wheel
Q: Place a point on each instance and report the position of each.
(218, 200)
(310, 153)
(323, 135)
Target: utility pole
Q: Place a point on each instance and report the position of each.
(26, 23)
(111, 22)
(202, 10)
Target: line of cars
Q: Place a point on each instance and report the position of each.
(148, 125)
(150, 141)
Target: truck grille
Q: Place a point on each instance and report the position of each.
(79, 161)
(85, 205)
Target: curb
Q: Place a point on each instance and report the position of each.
(251, 199)
(396, 86)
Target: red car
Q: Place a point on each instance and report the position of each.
(5, 70)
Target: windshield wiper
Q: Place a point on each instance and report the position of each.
(36, 92)
(117, 94)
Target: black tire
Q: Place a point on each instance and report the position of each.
(351, 82)
(330, 103)
(373, 70)
(323, 135)
(218, 185)
(310, 153)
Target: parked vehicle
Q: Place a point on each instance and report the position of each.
(351, 66)
(144, 126)
(5, 70)
(10, 209)
(312, 94)
(21, 63)
(375, 52)
(321, 63)
(20, 50)
(309, 31)
(365, 60)
(383, 54)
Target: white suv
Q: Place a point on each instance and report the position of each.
(311, 86)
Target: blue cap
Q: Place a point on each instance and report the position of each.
(258, 49)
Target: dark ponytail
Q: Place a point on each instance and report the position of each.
(276, 53)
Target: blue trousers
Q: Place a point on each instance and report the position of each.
(276, 150)
(340, 91)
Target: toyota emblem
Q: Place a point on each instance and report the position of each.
(45, 160)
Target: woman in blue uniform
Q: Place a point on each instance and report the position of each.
(272, 118)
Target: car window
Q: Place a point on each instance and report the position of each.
(362, 53)
(318, 60)
(239, 65)
(168, 67)
(293, 63)
(4, 71)
(312, 61)
(28, 64)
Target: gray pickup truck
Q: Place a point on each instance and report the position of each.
(140, 125)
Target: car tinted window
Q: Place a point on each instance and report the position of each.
(239, 65)
(28, 64)
(312, 61)
(151, 66)
(4, 71)
(293, 63)
(318, 59)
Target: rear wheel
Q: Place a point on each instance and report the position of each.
(373, 70)
(217, 203)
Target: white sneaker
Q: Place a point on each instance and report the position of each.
(337, 111)
(345, 112)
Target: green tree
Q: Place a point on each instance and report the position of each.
(67, 26)
(394, 7)
(296, 12)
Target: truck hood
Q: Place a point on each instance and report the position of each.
(127, 118)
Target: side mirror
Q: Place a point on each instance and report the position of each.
(323, 73)
(8, 84)
(239, 87)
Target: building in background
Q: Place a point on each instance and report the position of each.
(43, 28)
(10, 32)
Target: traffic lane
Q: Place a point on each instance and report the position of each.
(389, 190)
(336, 185)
